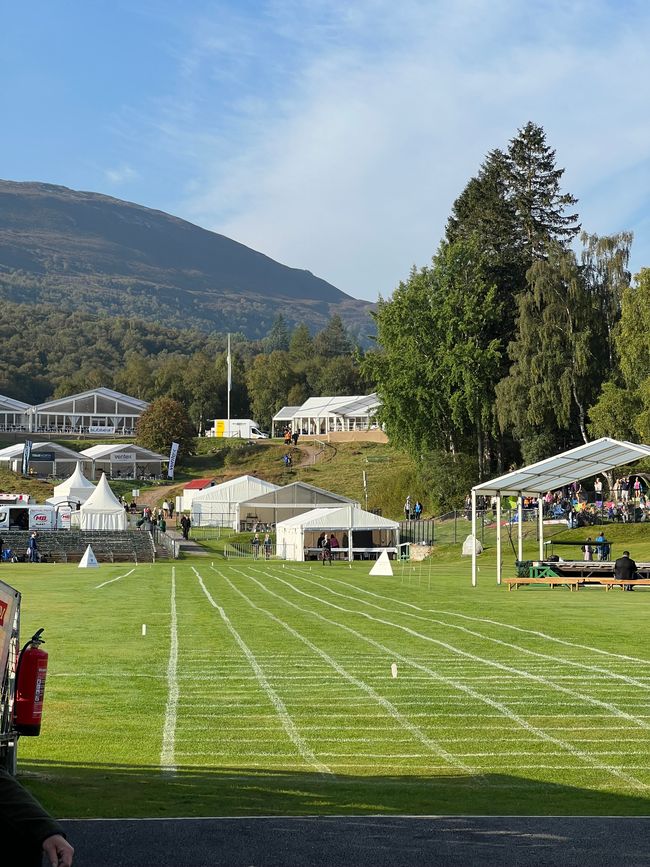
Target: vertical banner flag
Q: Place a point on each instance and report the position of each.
(27, 453)
(172, 460)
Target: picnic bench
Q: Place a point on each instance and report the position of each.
(552, 581)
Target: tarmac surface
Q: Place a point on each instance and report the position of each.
(363, 842)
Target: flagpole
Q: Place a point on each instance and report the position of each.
(229, 381)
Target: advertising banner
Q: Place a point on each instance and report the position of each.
(172, 460)
(42, 456)
(122, 457)
(27, 451)
(101, 429)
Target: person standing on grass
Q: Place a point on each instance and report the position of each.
(407, 508)
(327, 550)
(625, 570)
(587, 550)
(27, 831)
(267, 546)
(255, 544)
(32, 548)
(185, 527)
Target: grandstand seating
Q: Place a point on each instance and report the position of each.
(62, 546)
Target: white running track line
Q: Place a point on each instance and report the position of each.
(538, 678)
(497, 705)
(126, 575)
(436, 748)
(282, 712)
(566, 662)
(168, 749)
(534, 632)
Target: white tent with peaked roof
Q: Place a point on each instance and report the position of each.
(359, 532)
(75, 489)
(102, 510)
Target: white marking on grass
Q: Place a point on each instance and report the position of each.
(167, 752)
(104, 583)
(547, 682)
(503, 709)
(563, 661)
(500, 623)
(390, 708)
(144, 628)
(287, 723)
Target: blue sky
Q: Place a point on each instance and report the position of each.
(332, 136)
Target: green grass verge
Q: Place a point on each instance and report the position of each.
(534, 702)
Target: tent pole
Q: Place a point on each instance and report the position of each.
(473, 538)
(498, 517)
(540, 518)
(520, 527)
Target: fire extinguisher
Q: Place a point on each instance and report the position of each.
(31, 672)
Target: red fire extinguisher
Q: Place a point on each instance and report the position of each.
(30, 687)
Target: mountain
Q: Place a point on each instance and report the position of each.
(86, 251)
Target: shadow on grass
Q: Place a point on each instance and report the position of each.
(75, 789)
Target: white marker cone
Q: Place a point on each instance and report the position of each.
(144, 628)
(393, 669)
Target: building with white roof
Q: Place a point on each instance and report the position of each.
(322, 415)
(45, 459)
(99, 411)
(13, 414)
(123, 461)
(218, 506)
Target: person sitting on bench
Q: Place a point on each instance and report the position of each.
(625, 570)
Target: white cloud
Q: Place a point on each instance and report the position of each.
(347, 157)
(122, 174)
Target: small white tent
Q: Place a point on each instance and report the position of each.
(218, 506)
(358, 532)
(102, 510)
(75, 489)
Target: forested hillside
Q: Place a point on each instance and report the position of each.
(48, 352)
(88, 252)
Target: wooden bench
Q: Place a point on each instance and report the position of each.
(551, 580)
(608, 583)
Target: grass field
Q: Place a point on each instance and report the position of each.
(267, 689)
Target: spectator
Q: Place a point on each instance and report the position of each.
(32, 548)
(334, 547)
(625, 570)
(186, 525)
(27, 830)
(267, 547)
(418, 510)
(327, 550)
(407, 508)
(255, 545)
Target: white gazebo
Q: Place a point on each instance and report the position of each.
(102, 510)
(288, 501)
(218, 506)
(550, 474)
(74, 490)
(362, 533)
(124, 461)
(318, 416)
(45, 459)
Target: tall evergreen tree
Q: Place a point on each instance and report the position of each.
(533, 182)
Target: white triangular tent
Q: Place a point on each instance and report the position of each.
(382, 566)
(88, 561)
(75, 489)
(102, 510)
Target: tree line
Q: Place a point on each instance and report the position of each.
(52, 353)
(524, 336)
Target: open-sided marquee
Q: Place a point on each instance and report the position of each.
(548, 475)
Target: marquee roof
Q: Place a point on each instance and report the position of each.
(10, 404)
(342, 518)
(319, 407)
(101, 392)
(299, 494)
(104, 452)
(560, 470)
(61, 453)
